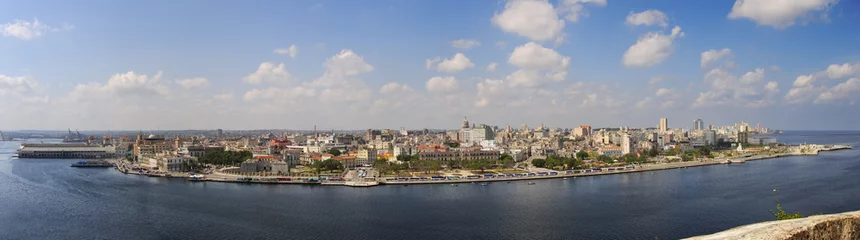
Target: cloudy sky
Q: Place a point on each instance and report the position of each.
(787, 64)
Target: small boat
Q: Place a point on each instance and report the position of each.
(454, 185)
(484, 184)
(531, 183)
(564, 178)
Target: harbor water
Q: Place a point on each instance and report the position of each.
(47, 199)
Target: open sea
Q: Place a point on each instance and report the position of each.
(47, 199)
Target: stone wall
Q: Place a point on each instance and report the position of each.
(833, 226)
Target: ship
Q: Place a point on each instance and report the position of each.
(90, 163)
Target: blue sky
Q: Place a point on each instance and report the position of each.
(363, 64)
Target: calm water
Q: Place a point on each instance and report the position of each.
(47, 199)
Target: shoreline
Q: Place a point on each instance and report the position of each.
(561, 174)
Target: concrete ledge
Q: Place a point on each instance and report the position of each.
(834, 226)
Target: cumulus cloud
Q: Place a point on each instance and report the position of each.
(458, 62)
(465, 43)
(490, 92)
(492, 67)
(442, 85)
(534, 19)
(17, 85)
(575, 9)
(847, 91)
(122, 85)
(835, 71)
(269, 73)
(778, 13)
(347, 63)
(662, 92)
(291, 51)
(192, 82)
(27, 30)
(534, 56)
(718, 58)
(536, 65)
(279, 94)
(726, 89)
(651, 49)
(648, 18)
(394, 87)
(818, 87)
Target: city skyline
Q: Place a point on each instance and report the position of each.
(390, 64)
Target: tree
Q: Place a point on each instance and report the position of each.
(334, 152)
(452, 144)
(653, 152)
(480, 164)
(216, 157)
(582, 155)
(506, 161)
(631, 158)
(539, 162)
(382, 166)
(671, 152)
(606, 159)
(706, 151)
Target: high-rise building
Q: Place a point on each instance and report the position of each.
(698, 124)
(220, 133)
(625, 144)
(664, 125)
(582, 131)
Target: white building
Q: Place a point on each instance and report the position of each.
(475, 134)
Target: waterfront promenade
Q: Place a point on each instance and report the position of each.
(803, 150)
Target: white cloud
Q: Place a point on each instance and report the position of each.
(777, 13)
(490, 92)
(122, 85)
(816, 88)
(662, 92)
(458, 62)
(193, 82)
(534, 19)
(525, 78)
(648, 18)
(536, 57)
(292, 51)
(25, 30)
(465, 43)
(537, 64)
(279, 94)
(651, 49)
(754, 77)
(574, 9)
(429, 63)
(772, 86)
(726, 89)
(711, 57)
(846, 91)
(269, 73)
(17, 85)
(442, 85)
(492, 67)
(394, 87)
(347, 63)
(835, 71)
(224, 97)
